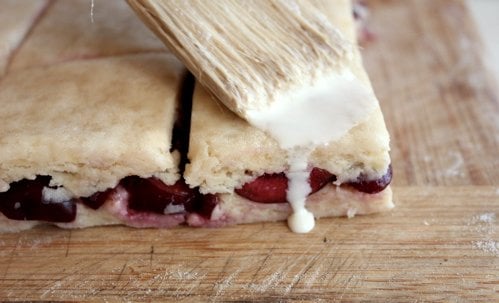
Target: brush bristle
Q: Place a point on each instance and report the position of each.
(248, 52)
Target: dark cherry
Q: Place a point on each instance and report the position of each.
(319, 178)
(152, 195)
(372, 186)
(268, 188)
(271, 188)
(98, 199)
(24, 201)
(203, 205)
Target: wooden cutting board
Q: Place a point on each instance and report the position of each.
(441, 242)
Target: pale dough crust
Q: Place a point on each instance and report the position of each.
(70, 30)
(226, 152)
(330, 201)
(90, 97)
(90, 123)
(16, 18)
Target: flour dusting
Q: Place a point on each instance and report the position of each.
(455, 168)
(483, 221)
(484, 225)
(268, 282)
(487, 217)
(489, 246)
(227, 282)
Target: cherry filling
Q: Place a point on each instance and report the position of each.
(24, 201)
(203, 205)
(271, 188)
(152, 195)
(365, 185)
(98, 199)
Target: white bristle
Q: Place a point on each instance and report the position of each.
(256, 50)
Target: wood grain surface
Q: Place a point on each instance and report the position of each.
(440, 244)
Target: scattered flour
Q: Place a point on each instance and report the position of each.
(488, 246)
(351, 212)
(455, 168)
(224, 284)
(268, 282)
(484, 225)
(484, 220)
(487, 217)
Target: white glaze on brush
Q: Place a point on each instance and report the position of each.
(305, 118)
(318, 114)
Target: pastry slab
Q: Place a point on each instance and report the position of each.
(227, 155)
(73, 30)
(89, 124)
(88, 136)
(16, 19)
(88, 107)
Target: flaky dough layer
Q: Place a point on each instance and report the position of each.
(90, 123)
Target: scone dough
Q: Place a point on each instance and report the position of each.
(90, 123)
(72, 30)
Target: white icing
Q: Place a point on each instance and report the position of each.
(317, 114)
(351, 212)
(173, 209)
(55, 195)
(307, 117)
(301, 221)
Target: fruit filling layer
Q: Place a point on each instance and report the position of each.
(271, 188)
(25, 200)
(37, 200)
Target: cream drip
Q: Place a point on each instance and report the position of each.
(301, 220)
(305, 118)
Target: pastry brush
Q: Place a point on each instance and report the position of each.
(249, 53)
